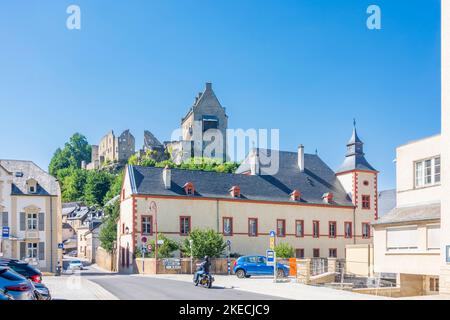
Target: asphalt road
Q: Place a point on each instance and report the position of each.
(141, 288)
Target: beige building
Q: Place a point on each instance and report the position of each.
(445, 214)
(30, 206)
(316, 210)
(407, 240)
(88, 242)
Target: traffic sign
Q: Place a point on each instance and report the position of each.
(5, 232)
(229, 243)
(160, 242)
(272, 240)
(144, 239)
(270, 257)
(60, 245)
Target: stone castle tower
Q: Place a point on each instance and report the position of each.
(204, 129)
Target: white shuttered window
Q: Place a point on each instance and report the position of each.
(406, 238)
(434, 237)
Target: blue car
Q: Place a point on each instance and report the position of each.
(248, 266)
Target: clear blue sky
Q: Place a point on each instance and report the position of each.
(307, 67)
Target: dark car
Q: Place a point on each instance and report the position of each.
(22, 268)
(248, 266)
(29, 272)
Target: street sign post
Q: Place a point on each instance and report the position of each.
(272, 238)
(5, 232)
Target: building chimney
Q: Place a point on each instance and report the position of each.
(301, 158)
(167, 177)
(254, 163)
(208, 86)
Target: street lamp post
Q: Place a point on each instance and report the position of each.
(154, 208)
(191, 242)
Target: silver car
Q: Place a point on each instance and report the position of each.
(16, 285)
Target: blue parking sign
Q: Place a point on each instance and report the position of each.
(60, 245)
(272, 234)
(5, 232)
(270, 256)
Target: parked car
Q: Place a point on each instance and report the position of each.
(29, 272)
(75, 264)
(42, 291)
(248, 266)
(4, 296)
(22, 268)
(16, 285)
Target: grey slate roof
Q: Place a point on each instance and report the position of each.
(387, 200)
(423, 212)
(313, 183)
(47, 185)
(355, 160)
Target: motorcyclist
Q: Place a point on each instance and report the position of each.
(203, 269)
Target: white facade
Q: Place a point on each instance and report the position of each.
(445, 214)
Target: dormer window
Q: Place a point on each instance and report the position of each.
(189, 189)
(235, 191)
(32, 186)
(328, 197)
(295, 195)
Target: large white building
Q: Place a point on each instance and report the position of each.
(445, 214)
(407, 239)
(316, 210)
(30, 207)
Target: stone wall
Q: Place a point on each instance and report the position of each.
(105, 260)
(150, 266)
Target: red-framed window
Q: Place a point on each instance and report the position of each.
(332, 253)
(332, 229)
(185, 225)
(299, 228)
(316, 253)
(281, 228)
(147, 225)
(365, 230)
(300, 253)
(348, 230)
(252, 227)
(316, 229)
(227, 226)
(365, 202)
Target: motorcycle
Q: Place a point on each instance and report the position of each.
(205, 280)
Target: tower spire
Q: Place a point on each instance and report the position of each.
(354, 158)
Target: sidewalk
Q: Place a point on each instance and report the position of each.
(75, 287)
(286, 290)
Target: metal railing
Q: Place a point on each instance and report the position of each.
(318, 266)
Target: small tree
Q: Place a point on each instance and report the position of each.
(284, 251)
(204, 243)
(166, 249)
(108, 231)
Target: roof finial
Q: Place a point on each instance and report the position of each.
(354, 123)
(317, 152)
